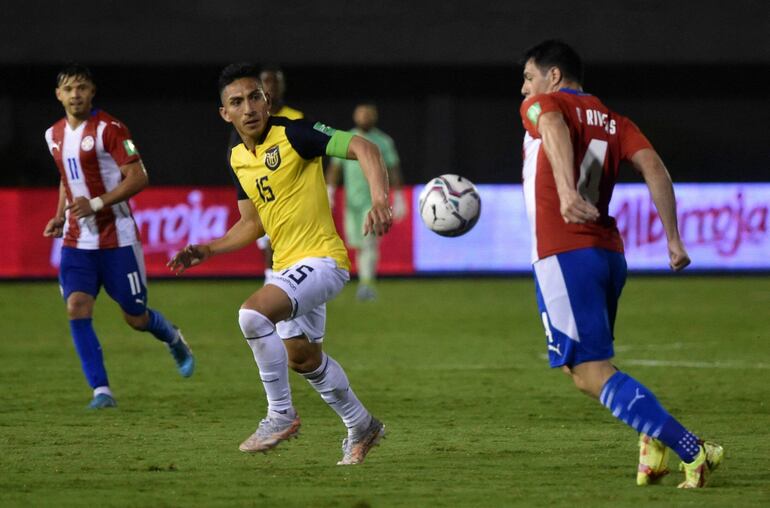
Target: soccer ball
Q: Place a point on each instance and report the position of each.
(450, 205)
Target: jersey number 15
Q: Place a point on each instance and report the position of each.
(265, 192)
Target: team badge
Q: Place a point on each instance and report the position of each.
(87, 144)
(273, 158)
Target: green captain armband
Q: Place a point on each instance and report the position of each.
(338, 144)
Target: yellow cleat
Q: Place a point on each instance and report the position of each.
(699, 470)
(653, 461)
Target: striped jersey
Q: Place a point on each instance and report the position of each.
(89, 158)
(600, 139)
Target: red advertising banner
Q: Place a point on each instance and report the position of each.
(168, 219)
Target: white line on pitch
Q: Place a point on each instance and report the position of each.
(694, 365)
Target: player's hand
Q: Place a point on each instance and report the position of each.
(399, 205)
(54, 228)
(677, 255)
(576, 210)
(190, 256)
(379, 218)
(81, 207)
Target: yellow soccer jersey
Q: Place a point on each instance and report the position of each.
(284, 179)
(290, 113)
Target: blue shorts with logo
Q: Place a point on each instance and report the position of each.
(577, 295)
(119, 270)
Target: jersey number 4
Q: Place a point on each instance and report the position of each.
(265, 192)
(591, 170)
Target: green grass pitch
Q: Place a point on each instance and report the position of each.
(455, 368)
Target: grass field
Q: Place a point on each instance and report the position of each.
(455, 369)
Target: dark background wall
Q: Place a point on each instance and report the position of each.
(691, 74)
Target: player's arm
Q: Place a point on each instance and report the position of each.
(134, 180)
(658, 181)
(55, 226)
(380, 217)
(557, 143)
(242, 233)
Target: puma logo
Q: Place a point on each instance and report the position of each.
(636, 397)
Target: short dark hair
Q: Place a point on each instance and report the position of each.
(237, 71)
(74, 70)
(556, 53)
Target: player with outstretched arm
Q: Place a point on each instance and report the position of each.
(281, 191)
(572, 150)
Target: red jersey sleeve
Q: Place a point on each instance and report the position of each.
(117, 141)
(533, 107)
(631, 139)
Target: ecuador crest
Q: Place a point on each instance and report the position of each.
(272, 158)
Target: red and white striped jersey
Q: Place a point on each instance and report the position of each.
(600, 138)
(89, 158)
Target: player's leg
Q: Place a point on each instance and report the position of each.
(257, 318)
(303, 336)
(355, 239)
(125, 281)
(368, 256)
(78, 277)
(573, 293)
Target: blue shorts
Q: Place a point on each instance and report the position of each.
(577, 295)
(119, 270)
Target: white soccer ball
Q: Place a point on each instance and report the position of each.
(450, 205)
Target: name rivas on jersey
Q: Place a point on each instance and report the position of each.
(596, 118)
(725, 227)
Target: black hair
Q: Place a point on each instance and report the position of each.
(556, 53)
(74, 70)
(237, 71)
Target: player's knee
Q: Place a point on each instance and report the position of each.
(304, 357)
(254, 324)
(79, 306)
(587, 384)
(139, 322)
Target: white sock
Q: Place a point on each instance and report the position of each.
(102, 389)
(330, 381)
(271, 358)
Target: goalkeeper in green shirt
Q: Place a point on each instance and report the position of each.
(358, 200)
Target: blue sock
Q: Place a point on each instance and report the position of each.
(160, 327)
(90, 352)
(633, 404)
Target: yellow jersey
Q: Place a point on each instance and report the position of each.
(284, 179)
(290, 113)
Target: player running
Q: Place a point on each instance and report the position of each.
(281, 191)
(100, 170)
(572, 149)
(274, 84)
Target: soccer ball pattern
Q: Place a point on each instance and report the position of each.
(450, 205)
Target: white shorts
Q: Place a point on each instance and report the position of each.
(309, 283)
(263, 242)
